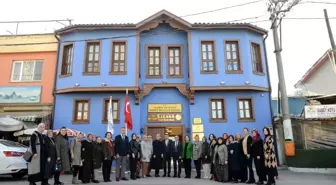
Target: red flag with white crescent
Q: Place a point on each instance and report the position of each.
(128, 113)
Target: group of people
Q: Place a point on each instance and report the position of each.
(224, 159)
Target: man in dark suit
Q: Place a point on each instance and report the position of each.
(167, 155)
(177, 156)
(122, 153)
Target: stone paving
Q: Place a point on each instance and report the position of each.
(286, 178)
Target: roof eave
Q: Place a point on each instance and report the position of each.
(93, 27)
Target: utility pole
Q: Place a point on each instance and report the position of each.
(331, 37)
(277, 9)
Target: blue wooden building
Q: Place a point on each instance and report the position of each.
(177, 74)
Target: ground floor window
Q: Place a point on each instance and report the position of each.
(115, 110)
(217, 110)
(81, 111)
(245, 109)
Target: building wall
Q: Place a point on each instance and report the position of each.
(326, 74)
(78, 38)
(47, 82)
(156, 37)
(296, 105)
(219, 36)
(262, 115)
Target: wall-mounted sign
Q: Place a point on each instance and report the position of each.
(164, 113)
(320, 111)
(164, 117)
(197, 128)
(165, 108)
(197, 120)
(20, 94)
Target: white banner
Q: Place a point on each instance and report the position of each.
(110, 117)
(320, 111)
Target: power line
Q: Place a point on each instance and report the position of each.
(318, 2)
(307, 18)
(134, 35)
(36, 21)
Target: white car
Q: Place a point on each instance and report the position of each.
(11, 159)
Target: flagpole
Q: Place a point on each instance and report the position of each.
(125, 123)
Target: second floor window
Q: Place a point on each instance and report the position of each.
(67, 59)
(115, 110)
(174, 61)
(208, 59)
(81, 110)
(245, 109)
(256, 58)
(232, 56)
(27, 71)
(119, 58)
(154, 61)
(92, 57)
(217, 110)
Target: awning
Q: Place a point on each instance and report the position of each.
(8, 124)
(25, 116)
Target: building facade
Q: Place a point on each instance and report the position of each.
(27, 64)
(182, 78)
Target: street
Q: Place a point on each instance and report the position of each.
(286, 178)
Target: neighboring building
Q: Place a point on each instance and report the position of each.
(296, 106)
(177, 73)
(27, 64)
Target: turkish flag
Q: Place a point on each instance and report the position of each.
(128, 114)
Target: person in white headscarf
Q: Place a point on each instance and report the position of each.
(36, 167)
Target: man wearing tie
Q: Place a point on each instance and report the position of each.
(122, 153)
(177, 156)
(167, 155)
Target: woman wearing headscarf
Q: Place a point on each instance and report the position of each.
(134, 155)
(36, 167)
(146, 154)
(257, 153)
(51, 155)
(108, 154)
(213, 143)
(221, 161)
(62, 150)
(75, 152)
(87, 159)
(234, 150)
(270, 158)
(138, 166)
(97, 157)
(206, 159)
(247, 144)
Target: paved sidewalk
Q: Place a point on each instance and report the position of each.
(286, 178)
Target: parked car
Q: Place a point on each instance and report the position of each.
(11, 159)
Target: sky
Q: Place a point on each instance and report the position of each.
(303, 41)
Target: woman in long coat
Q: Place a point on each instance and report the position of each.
(257, 153)
(221, 161)
(134, 155)
(50, 154)
(212, 152)
(87, 158)
(146, 154)
(242, 160)
(97, 157)
(234, 150)
(206, 159)
(270, 158)
(62, 150)
(247, 144)
(36, 167)
(75, 152)
(158, 150)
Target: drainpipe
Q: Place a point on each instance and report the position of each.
(55, 79)
(270, 99)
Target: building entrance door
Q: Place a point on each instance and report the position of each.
(171, 130)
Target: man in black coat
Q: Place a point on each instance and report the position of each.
(167, 155)
(177, 156)
(122, 153)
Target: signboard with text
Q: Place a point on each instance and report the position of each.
(164, 113)
(320, 111)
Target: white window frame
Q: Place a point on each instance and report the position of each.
(22, 64)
